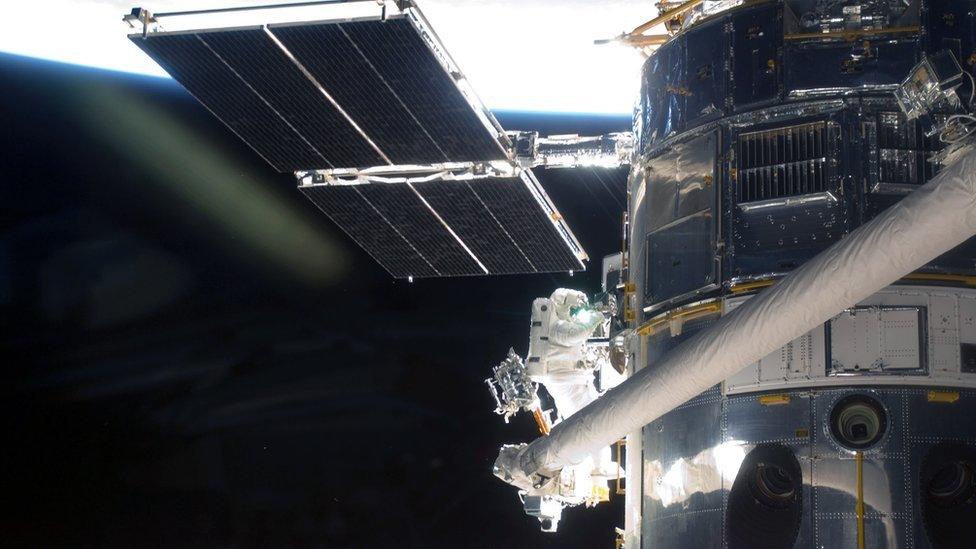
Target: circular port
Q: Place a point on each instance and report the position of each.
(765, 503)
(858, 422)
(953, 484)
(947, 490)
(772, 485)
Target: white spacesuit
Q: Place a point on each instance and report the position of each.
(558, 360)
(556, 349)
(561, 324)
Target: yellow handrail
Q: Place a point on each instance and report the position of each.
(851, 35)
(859, 509)
(692, 312)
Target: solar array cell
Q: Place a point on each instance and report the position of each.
(404, 209)
(267, 69)
(188, 59)
(347, 207)
(456, 228)
(405, 62)
(511, 202)
(352, 94)
(341, 67)
(476, 225)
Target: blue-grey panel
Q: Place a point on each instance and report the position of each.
(267, 69)
(188, 60)
(884, 484)
(841, 530)
(679, 182)
(950, 27)
(346, 206)
(781, 238)
(891, 444)
(680, 202)
(748, 420)
(789, 159)
(676, 90)
(518, 212)
(700, 529)
(822, 65)
(467, 215)
(926, 420)
(681, 258)
(757, 38)
(682, 503)
(706, 51)
(927, 425)
(340, 65)
(401, 206)
(397, 52)
(654, 122)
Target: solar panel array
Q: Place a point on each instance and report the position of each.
(370, 93)
(450, 228)
(327, 95)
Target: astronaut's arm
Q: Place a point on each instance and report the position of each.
(568, 333)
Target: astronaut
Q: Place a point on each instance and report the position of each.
(557, 359)
(561, 324)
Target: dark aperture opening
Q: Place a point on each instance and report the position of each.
(858, 422)
(765, 503)
(947, 493)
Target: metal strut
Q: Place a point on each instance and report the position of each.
(638, 39)
(263, 7)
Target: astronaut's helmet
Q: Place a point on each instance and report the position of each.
(565, 301)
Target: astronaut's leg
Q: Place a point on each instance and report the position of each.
(571, 391)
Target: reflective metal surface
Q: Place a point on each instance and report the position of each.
(809, 140)
(810, 144)
(681, 220)
(692, 455)
(903, 335)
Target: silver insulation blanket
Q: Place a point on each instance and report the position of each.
(932, 220)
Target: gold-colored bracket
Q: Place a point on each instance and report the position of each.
(943, 397)
(774, 400)
(638, 39)
(964, 279)
(853, 35)
(629, 290)
(683, 314)
(743, 287)
(541, 421)
(968, 280)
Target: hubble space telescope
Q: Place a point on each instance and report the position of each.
(784, 353)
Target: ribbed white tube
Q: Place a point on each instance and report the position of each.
(929, 222)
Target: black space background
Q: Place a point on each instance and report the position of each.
(165, 385)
